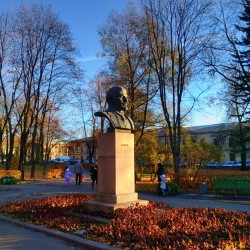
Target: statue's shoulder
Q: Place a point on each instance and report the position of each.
(104, 114)
(131, 122)
(101, 113)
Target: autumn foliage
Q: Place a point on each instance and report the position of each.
(14, 173)
(56, 212)
(155, 226)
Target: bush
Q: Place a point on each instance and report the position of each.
(153, 187)
(8, 180)
(55, 173)
(172, 187)
(13, 173)
(146, 187)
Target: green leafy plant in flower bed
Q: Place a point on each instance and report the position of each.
(155, 226)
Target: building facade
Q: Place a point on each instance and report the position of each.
(221, 135)
(84, 150)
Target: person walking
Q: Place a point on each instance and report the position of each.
(78, 171)
(93, 175)
(67, 176)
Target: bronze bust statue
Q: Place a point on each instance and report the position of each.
(117, 99)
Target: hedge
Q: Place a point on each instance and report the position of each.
(14, 173)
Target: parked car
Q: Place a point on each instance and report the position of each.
(238, 164)
(87, 161)
(183, 164)
(211, 164)
(61, 159)
(229, 164)
(247, 164)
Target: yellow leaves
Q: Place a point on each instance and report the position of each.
(14, 173)
(122, 61)
(55, 173)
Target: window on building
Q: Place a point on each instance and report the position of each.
(232, 156)
(216, 142)
(231, 142)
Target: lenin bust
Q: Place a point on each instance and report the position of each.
(117, 99)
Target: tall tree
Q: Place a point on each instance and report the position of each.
(10, 81)
(43, 64)
(241, 84)
(125, 43)
(229, 58)
(178, 33)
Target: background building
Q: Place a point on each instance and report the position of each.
(221, 135)
(84, 150)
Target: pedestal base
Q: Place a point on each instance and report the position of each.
(111, 207)
(118, 198)
(116, 175)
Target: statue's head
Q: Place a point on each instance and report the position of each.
(117, 99)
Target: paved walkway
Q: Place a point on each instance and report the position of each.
(20, 236)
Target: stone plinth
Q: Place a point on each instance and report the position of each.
(116, 175)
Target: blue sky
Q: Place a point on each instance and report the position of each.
(84, 18)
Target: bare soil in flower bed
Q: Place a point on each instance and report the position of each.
(155, 226)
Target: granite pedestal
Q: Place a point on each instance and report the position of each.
(116, 174)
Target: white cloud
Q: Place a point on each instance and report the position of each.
(92, 59)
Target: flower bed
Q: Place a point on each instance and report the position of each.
(14, 173)
(155, 226)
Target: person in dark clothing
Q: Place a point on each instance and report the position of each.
(94, 175)
(78, 171)
(160, 171)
